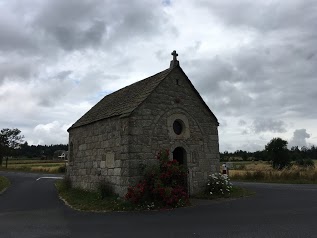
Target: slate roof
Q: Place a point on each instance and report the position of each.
(123, 101)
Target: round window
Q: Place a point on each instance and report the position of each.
(178, 127)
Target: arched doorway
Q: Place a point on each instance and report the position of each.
(180, 155)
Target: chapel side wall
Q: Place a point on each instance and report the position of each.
(151, 125)
(98, 153)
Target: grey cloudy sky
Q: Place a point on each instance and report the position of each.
(254, 62)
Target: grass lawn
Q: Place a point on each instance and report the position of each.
(4, 183)
(92, 201)
(236, 192)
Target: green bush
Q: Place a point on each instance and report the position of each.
(278, 153)
(306, 163)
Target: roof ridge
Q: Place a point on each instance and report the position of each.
(168, 70)
(135, 83)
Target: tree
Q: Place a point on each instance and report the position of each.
(278, 153)
(10, 140)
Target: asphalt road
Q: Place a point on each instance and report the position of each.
(31, 208)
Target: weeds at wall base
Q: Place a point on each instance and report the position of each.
(83, 200)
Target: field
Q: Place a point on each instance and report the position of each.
(262, 171)
(33, 165)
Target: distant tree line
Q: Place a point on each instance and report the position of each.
(277, 152)
(39, 151)
(13, 145)
(295, 153)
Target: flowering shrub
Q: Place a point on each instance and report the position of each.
(218, 184)
(163, 186)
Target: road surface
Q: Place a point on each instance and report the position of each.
(31, 208)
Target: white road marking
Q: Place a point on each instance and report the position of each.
(49, 178)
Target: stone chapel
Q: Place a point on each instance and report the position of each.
(124, 131)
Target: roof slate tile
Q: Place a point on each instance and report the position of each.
(122, 102)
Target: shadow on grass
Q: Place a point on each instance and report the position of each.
(83, 200)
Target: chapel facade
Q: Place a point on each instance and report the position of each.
(124, 131)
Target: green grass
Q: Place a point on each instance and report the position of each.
(80, 199)
(236, 192)
(90, 201)
(4, 183)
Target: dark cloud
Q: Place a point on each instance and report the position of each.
(299, 138)
(280, 61)
(63, 87)
(15, 36)
(284, 75)
(47, 28)
(63, 74)
(244, 132)
(242, 122)
(252, 146)
(265, 16)
(241, 84)
(36, 39)
(268, 125)
(218, 81)
(72, 24)
(80, 24)
(17, 70)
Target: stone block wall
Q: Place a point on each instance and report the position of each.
(97, 155)
(151, 129)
